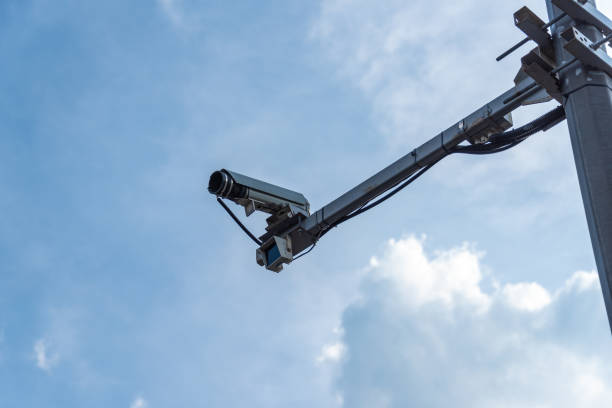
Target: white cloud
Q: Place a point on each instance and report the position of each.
(44, 360)
(331, 352)
(530, 297)
(172, 9)
(434, 330)
(429, 281)
(63, 342)
(582, 281)
(424, 68)
(412, 61)
(139, 402)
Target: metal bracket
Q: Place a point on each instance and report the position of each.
(250, 208)
(288, 215)
(581, 47)
(539, 67)
(585, 12)
(529, 23)
(541, 96)
(492, 126)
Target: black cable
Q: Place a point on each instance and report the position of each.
(503, 141)
(392, 193)
(314, 244)
(365, 208)
(241, 225)
(307, 252)
(491, 151)
(497, 143)
(535, 125)
(488, 149)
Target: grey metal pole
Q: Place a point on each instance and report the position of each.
(588, 106)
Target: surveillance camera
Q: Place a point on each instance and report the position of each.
(275, 252)
(255, 194)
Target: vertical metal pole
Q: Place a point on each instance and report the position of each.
(588, 106)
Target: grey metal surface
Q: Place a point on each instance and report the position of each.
(491, 118)
(270, 189)
(525, 40)
(583, 49)
(588, 106)
(529, 23)
(541, 96)
(584, 13)
(539, 67)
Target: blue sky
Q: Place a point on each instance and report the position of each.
(123, 283)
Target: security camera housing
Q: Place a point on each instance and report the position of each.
(255, 194)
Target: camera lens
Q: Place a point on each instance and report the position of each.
(218, 182)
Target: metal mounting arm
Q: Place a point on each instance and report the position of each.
(577, 30)
(493, 117)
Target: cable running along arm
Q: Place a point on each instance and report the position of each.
(503, 141)
(543, 75)
(495, 143)
(568, 64)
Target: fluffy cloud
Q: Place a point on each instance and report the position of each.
(139, 402)
(411, 59)
(434, 330)
(526, 296)
(423, 68)
(432, 283)
(44, 360)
